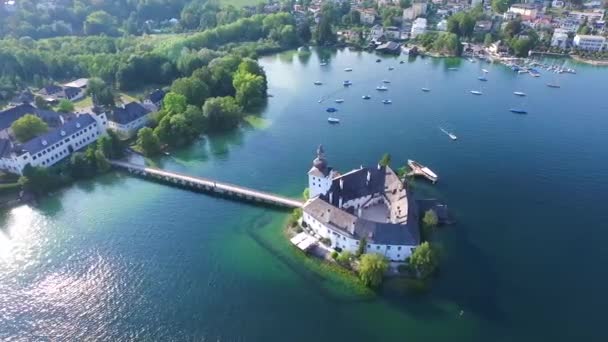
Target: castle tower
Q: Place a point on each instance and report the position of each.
(320, 175)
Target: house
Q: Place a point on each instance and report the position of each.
(418, 27)
(525, 11)
(49, 148)
(558, 3)
(590, 16)
(153, 102)
(127, 119)
(589, 42)
(498, 48)
(559, 38)
(483, 26)
(392, 32)
(79, 83)
(368, 16)
(369, 206)
(389, 47)
(417, 9)
(376, 32)
(54, 93)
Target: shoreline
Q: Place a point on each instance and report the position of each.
(589, 61)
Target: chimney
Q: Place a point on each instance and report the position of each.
(369, 177)
(341, 183)
(340, 202)
(360, 211)
(379, 166)
(331, 197)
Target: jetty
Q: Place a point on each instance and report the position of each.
(421, 170)
(208, 185)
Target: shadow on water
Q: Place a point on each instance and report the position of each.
(219, 144)
(304, 56)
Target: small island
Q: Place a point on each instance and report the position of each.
(366, 220)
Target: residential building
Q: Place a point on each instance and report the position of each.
(368, 16)
(588, 42)
(376, 32)
(366, 205)
(54, 93)
(590, 16)
(526, 11)
(559, 38)
(153, 102)
(483, 26)
(475, 3)
(417, 9)
(498, 48)
(11, 114)
(51, 147)
(79, 83)
(127, 119)
(418, 27)
(392, 32)
(558, 3)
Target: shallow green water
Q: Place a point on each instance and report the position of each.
(120, 258)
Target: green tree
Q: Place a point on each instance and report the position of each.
(41, 103)
(195, 90)
(488, 39)
(303, 32)
(27, 127)
(250, 89)
(306, 194)
(222, 112)
(424, 260)
(385, 160)
(101, 162)
(429, 223)
(65, 106)
(100, 22)
(405, 4)
(101, 93)
(372, 268)
(325, 34)
(361, 248)
(39, 180)
(174, 103)
(82, 165)
(148, 141)
(344, 258)
(501, 6)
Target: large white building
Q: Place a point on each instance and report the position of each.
(418, 27)
(127, 119)
(49, 148)
(560, 38)
(588, 42)
(417, 9)
(366, 205)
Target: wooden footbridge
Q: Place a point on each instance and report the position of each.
(208, 185)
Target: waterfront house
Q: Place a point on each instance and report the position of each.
(368, 16)
(482, 26)
(153, 102)
(442, 25)
(11, 114)
(127, 119)
(376, 32)
(559, 38)
(392, 32)
(525, 11)
(53, 146)
(418, 27)
(589, 42)
(370, 206)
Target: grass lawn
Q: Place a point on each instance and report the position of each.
(240, 3)
(83, 103)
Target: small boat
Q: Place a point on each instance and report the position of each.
(323, 64)
(452, 69)
(387, 101)
(518, 111)
(378, 60)
(166, 153)
(390, 68)
(347, 83)
(348, 69)
(339, 100)
(476, 92)
(482, 78)
(449, 134)
(401, 62)
(519, 93)
(485, 71)
(366, 97)
(318, 83)
(331, 110)
(523, 71)
(386, 81)
(320, 100)
(426, 90)
(425, 171)
(333, 120)
(553, 85)
(381, 88)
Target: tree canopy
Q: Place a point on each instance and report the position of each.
(65, 106)
(424, 260)
(148, 142)
(28, 127)
(372, 268)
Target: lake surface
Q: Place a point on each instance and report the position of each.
(120, 258)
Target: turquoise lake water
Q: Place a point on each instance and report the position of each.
(120, 258)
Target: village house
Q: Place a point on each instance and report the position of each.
(376, 32)
(392, 32)
(525, 11)
(559, 38)
(589, 42)
(127, 119)
(483, 26)
(153, 102)
(418, 27)
(369, 206)
(368, 16)
(54, 93)
(417, 9)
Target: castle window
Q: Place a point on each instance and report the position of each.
(388, 247)
(377, 246)
(399, 248)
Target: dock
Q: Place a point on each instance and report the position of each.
(208, 185)
(304, 241)
(421, 170)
